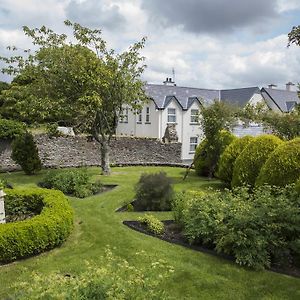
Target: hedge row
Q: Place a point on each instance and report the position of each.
(43, 232)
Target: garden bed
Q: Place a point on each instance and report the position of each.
(174, 235)
(125, 208)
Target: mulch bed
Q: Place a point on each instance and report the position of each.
(174, 235)
(135, 208)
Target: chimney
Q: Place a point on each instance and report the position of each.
(272, 85)
(169, 81)
(289, 86)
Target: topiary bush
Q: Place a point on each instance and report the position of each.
(248, 164)
(229, 156)
(43, 232)
(11, 129)
(205, 163)
(72, 182)
(153, 192)
(25, 153)
(283, 165)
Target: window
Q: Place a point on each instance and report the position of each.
(139, 118)
(193, 143)
(171, 115)
(124, 115)
(194, 116)
(147, 114)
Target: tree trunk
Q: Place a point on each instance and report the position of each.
(105, 150)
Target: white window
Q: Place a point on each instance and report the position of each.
(194, 116)
(147, 114)
(171, 115)
(139, 116)
(124, 115)
(193, 143)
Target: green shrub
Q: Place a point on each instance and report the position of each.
(283, 165)
(256, 228)
(297, 186)
(11, 129)
(52, 130)
(153, 192)
(25, 153)
(43, 232)
(153, 224)
(229, 156)
(116, 278)
(71, 182)
(203, 162)
(248, 164)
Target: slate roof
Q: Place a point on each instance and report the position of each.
(285, 100)
(185, 96)
(240, 96)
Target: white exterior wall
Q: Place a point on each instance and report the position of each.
(256, 98)
(190, 130)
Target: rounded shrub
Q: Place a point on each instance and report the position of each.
(203, 162)
(25, 153)
(283, 165)
(229, 156)
(248, 164)
(10, 129)
(43, 232)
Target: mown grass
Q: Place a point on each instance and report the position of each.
(197, 275)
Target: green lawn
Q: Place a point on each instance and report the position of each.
(197, 275)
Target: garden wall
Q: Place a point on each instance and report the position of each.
(82, 151)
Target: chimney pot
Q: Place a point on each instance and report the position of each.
(289, 85)
(272, 85)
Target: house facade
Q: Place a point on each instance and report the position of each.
(177, 109)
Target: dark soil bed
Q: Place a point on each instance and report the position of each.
(124, 208)
(174, 235)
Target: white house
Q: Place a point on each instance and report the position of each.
(179, 107)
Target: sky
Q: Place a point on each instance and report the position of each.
(218, 44)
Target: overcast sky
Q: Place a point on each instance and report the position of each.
(209, 43)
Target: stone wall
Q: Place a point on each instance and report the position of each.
(82, 151)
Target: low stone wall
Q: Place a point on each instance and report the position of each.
(81, 151)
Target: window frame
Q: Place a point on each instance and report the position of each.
(196, 121)
(172, 115)
(124, 116)
(193, 145)
(147, 119)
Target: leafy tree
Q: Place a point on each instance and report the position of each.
(81, 83)
(3, 86)
(294, 36)
(214, 118)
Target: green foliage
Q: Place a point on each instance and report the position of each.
(283, 165)
(248, 164)
(43, 232)
(229, 156)
(153, 192)
(294, 36)
(153, 224)
(297, 186)
(116, 278)
(52, 130)
(25, 153)
(207, 155)
(10, 129)
(256, 228)
(71, 182)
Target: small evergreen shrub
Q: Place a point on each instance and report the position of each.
(153, 192)
(42, 232)
(283, 165)
(153, 224)
(52, 130)
(11, 129)
(248, 164)
(25, 153)
(203, 162)
(72, 182)
(229, 156)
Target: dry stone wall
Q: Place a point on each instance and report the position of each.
(83, 151)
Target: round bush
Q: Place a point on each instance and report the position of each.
(43, 232)
(229, 156)
(248, 164)
(283, 165)
(202, 161)
(10, 129)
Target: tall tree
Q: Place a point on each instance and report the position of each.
(83, 82)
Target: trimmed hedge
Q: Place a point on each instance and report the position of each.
(202, 162)
(10, 129)
(248, 164)
(229, 156)
(43, 232)
(283, 166)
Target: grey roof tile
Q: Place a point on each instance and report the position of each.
(240, 96)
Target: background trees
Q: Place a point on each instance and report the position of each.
(81, 83)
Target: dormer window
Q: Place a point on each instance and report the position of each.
(194, 116)
(171, 115)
